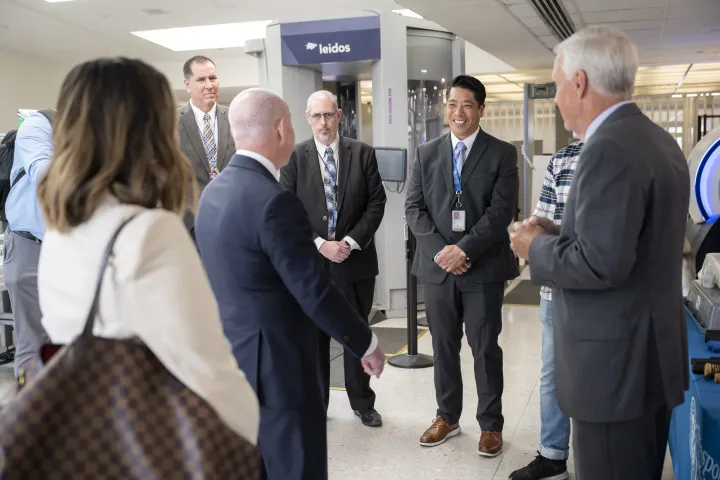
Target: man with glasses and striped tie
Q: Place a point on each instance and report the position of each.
(205, 136)
(337, 180)
(461, 199)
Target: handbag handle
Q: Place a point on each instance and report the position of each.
(90, 322)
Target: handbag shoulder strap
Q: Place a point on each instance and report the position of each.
(90, 322)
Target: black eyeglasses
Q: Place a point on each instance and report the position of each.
(327, 116)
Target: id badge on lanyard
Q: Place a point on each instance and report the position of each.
(458, 214)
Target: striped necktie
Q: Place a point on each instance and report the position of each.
(330, 184)
(210, 147)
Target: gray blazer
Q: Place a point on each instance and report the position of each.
(619, 324)
(192, 146)
(489, 182)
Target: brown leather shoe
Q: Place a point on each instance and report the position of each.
(438, 432)
(490, 444)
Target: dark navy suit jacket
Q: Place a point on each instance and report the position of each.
(257, 247)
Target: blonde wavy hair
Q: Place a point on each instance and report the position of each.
(115, 131)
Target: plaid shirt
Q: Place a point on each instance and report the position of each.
(555, 190)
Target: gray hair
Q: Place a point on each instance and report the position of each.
(607, 56)
(254, 113)
(321, 94)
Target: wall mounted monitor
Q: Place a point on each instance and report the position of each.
(392, 163)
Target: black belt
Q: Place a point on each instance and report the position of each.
(28, 235)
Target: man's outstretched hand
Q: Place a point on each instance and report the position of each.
(374, 363)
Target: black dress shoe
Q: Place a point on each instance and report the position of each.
(369, 417)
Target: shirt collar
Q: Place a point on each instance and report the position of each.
(199, 114)
(321, 146)
(595, 124)
(468, 141)
(262, 161)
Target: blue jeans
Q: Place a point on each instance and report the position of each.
(555, 425)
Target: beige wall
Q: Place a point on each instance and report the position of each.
(27, 83)
(34, 84)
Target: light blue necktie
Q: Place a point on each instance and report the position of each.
(459, 156)
(330, 183)
(459, 159)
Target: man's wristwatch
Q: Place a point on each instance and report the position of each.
(347, 243)
(467, 259)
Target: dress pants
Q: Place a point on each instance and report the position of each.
(479, 306)
(21, 258)
(357, 382)
(293, 443)
(630, 450)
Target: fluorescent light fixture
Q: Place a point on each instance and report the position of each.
(57, 1)
(692, 94)
(715, 94)
(205, 37)
(407, 13)
(677, 95)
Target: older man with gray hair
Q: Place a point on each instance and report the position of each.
(256, 244)
(616, 262)
(338, 182)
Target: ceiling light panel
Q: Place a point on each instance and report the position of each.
(407, 13)
(205, 37)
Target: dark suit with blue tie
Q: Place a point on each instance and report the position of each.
(488, 179)
(256, 244)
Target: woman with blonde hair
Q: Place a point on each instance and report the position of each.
(116, 158)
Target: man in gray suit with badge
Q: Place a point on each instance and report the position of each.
(205, 136)
(461, 199)
(621, 359)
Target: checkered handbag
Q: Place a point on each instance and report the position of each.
(106, 408)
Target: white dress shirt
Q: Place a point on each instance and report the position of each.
(199, 119)
(263, 161)
(595, 124)
(274, 171)
(469, 141)
(322, 159)
(155, 289)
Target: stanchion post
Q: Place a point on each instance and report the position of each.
(411, 296)
(411, 359)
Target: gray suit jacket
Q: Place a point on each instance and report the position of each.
(192, 146)
(489, 181)
(619, 326)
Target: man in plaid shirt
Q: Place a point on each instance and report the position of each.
(550, 464)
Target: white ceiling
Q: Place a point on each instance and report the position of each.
(650, 80)
(71, 32)
(666, 31)
(513, 41)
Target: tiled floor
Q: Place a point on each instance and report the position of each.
(406, 400)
